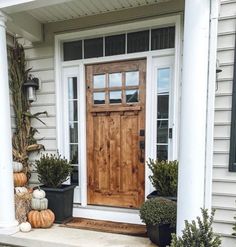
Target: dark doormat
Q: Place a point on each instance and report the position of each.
(107, 226)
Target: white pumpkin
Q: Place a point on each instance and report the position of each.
(17, 166)
(38, 193)
(21, 190)
(25, 227)
(39, 204)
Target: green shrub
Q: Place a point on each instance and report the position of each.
(198, 234)
(52, 170)
(164, 176)
(158, 211)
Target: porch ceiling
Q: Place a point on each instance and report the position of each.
(71, 9)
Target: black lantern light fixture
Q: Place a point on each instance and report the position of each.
(31, 85)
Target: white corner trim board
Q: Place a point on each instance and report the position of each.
(8, 223)
(194, 188)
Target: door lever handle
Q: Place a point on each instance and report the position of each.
(142, 151)
(142, 144)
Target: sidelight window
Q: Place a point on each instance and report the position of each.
(163, 92)
(73, 127)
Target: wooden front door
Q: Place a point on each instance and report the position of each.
(115, 133)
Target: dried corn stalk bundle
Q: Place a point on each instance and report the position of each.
(22, 206)
(23, 140)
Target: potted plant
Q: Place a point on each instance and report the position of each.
(198, 233)
(159, 215)
(53, 171)
(164, 178)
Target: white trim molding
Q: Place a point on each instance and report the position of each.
(174, 54)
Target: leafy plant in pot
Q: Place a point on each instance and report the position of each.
(159, 215)
(53, 171)
(164, 178)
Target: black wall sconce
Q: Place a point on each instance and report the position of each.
(31, 85)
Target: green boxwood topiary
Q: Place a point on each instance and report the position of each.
(164, 176)
(198, 234)
(158, 211)
(52, 170)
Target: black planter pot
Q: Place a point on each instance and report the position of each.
(60, 201)
(154, 194)
(160, 234)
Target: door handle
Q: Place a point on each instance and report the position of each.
(142, 151)
(142, 144)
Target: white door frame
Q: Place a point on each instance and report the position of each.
(80, 65)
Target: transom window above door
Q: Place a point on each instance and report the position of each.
(125, 43)
(116, 88)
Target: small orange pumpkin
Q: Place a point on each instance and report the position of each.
(20, 179)
(41, 219)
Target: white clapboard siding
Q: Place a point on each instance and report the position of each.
(50, 109)
(224, 182)
(228, 240)
(226, 55)
(224, 227)
(39, 53)
(227, 213)
(221, 144)
(222, 200)
(220, 159)
(46, 87)
(48, 122)
(220, 131)
(228, 10)
(226, 41)
(227, 71)
(224, 86)
(226, 25)
(41, 64)
(222, 116)
(46, 132)
(223, 101)
(44, 75)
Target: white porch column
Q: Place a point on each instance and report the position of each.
(192, 163)
(8, 223)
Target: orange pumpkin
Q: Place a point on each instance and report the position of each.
(41, 219)
(20, 179)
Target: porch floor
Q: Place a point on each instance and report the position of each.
(67, 237)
